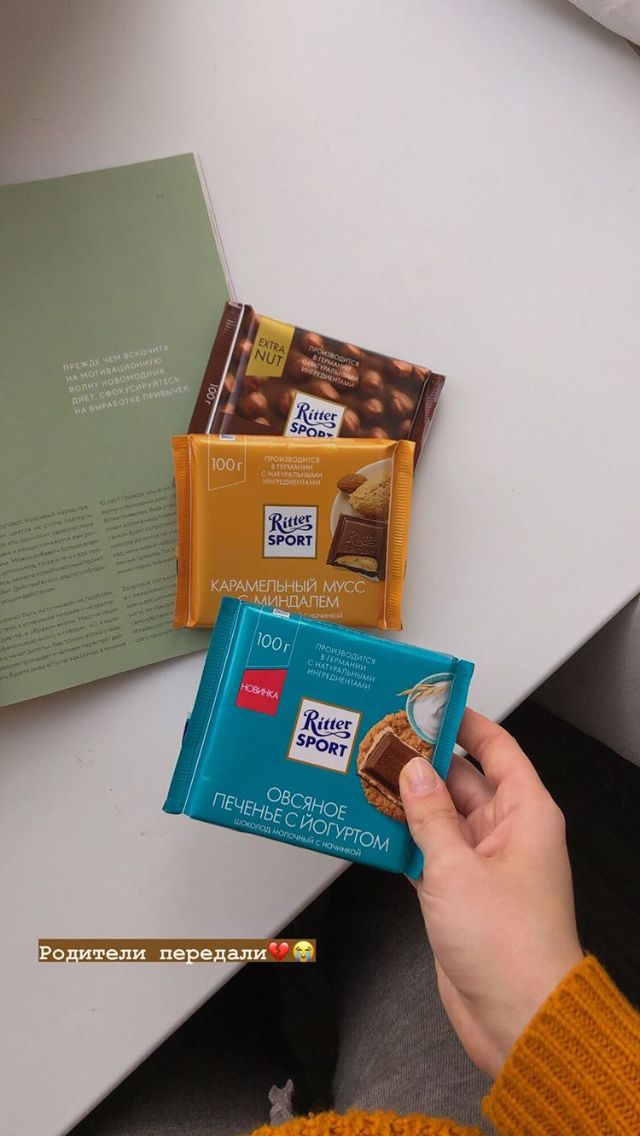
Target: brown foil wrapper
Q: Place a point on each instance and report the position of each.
(272, 378)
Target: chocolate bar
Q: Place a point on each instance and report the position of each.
(288, 714)
(382, 766)
(256, 517)
(360, 544)
(268, 377)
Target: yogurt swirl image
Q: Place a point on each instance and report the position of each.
(426, 705)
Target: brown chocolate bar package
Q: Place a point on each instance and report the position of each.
(268, 377)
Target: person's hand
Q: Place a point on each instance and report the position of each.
(496, 890)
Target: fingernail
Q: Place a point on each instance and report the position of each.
(420, 777)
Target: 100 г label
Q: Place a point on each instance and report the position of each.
(271, 642)
(226, 465)
(271, 649)
(225, 469)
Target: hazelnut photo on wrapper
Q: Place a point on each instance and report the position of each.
(275, 378)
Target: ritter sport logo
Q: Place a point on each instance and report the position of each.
(290, 530)
(313, 417)
(324, 735)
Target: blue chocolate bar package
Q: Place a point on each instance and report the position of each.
(300, 730)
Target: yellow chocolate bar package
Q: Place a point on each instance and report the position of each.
(318, 527)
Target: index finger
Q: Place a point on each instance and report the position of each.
(498, 753)
(468, 787)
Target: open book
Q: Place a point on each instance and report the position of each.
(111, 287)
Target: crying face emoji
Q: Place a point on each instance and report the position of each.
(303, 952)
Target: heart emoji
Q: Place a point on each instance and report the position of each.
(278, 950)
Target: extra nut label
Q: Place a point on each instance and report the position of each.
(270, 349)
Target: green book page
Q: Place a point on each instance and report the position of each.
(111, 288)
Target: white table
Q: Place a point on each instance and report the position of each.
(457, 183)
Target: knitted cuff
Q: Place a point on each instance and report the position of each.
(575, 1071)
(357, 1123)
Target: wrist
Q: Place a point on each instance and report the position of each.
(544, 981)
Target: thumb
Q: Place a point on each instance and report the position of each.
(431, 814)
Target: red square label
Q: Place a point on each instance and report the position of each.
(260, 690)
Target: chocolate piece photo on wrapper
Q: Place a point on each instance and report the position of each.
(359, 520)
(269, 377)
(397, 738)
(360, 545)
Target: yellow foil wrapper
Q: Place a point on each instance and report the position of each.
(319, 528)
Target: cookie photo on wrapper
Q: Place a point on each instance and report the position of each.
(371, 499)
(384, 751)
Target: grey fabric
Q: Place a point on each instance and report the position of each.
(363, 1028)
(397, 1049)
(212, 1077)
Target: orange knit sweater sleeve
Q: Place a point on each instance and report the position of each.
(575, 1071)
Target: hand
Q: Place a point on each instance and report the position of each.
(496, 891)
